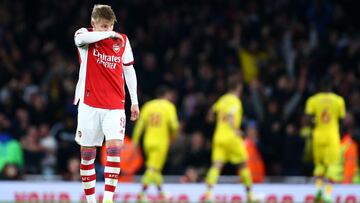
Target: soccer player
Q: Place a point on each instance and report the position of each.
(325, 109)
(159, 120)
(228, 145)
(105, 59)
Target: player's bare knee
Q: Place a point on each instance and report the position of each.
(88, 153)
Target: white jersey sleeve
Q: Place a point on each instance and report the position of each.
(131, 83)
(83, 36)
(128, 58)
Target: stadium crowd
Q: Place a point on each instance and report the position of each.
(281, 49)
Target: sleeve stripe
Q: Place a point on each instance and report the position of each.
(128, 64)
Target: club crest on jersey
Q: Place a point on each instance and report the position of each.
(116, 47)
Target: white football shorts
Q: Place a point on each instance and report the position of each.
(95, 123)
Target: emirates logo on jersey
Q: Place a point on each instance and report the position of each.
(107, 61)
(116, 47)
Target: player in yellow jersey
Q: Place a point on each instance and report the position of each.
(159, 120)
(228, 145)
(325, 109)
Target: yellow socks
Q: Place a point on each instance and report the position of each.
(211, 179)
(158, 178)
(212, 176)
(246, 176)
(148, 177)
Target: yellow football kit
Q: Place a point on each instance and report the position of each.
(159, 120)
(327, 109)
(227, 145)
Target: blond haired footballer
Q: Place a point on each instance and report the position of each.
(105, 59)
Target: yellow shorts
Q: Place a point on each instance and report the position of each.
(229, 150)
(326, 154)
(155, 157)
(326, 151)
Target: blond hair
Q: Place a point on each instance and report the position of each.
(101, 11)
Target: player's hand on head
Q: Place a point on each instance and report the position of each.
(135, 112)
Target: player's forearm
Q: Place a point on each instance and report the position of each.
(131, 83)
(92, 37)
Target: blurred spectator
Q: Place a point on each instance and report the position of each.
(197, 155)
(72, 172)
(293, 151)
(255, 161)
(348, 167)
(10, 149)
(152, 74)
(272, 131)
(21, 123)
(251, 59)
(49, 144)
(11, 172)
(175, 161)
(34, 153)
(191, 176)
(38, 109)
(66, 146)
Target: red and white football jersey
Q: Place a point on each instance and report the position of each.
(101, 79)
